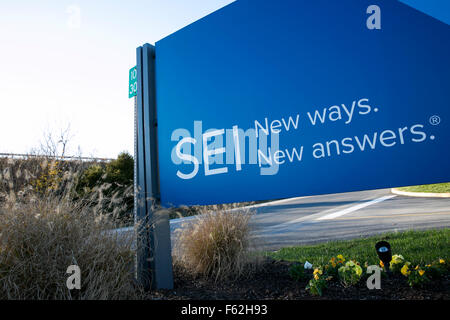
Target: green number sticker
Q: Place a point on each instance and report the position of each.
(132, 87)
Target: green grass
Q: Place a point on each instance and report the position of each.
(415, 246)
(430, 188)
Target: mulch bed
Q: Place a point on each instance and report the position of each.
(272, 282)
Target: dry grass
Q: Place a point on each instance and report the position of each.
(40, 240)
(42, 232)
(19, 176)
(216, 245)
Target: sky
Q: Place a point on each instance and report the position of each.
(66, 63)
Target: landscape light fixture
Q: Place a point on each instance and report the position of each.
(384, 252)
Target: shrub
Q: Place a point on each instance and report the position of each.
(332, 268)
(350, 273)
(215, 245)
(40, 240)
(421, 275)
(417, 277)
(121, 170)
(317, 284)
(297, 272)
(46, 177)
(42, 233)
(90, 179)
(50, 179)
(113, 180)
(436, 269)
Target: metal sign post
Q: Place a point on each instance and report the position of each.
(153, 247)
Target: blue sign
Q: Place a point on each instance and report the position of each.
(275, 99)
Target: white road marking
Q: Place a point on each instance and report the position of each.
(304, 220)
(265, 204)
(355, 208)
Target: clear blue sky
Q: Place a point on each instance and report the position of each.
(57, 68)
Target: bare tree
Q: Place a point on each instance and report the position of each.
(54, 143)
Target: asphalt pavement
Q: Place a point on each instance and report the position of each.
(309, 220)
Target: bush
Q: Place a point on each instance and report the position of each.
(90, 178)
(215, 245)
(332, 268)
(113, 180)
(417, 277)
(350, 274)
(40, 240)
(317, 284)
(421, 275)
(121, 170)
(47, 177)
(43, 231)
(397, 263)
(436, 269)
(297, 272)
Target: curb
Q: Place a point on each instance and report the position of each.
(419, 194)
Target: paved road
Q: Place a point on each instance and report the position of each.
(341, 216)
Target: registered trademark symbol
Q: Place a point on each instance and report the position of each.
(435, 120)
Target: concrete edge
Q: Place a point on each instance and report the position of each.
(419, 194)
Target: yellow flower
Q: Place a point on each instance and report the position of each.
(428, 265)
(442, 261)
(405, 270)
(358, 270)
(316, 276)
(318, 271)
(421, 272)
(341, 257)
(417, 267)
(333, 262)
(397, 258)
